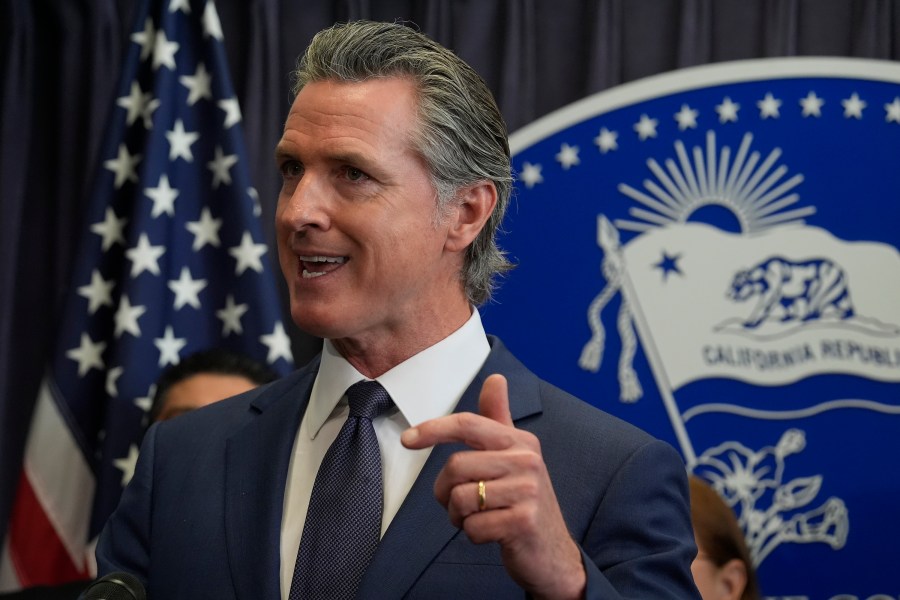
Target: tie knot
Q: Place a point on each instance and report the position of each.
(368, 399)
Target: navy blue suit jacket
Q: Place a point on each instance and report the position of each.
(201, 517)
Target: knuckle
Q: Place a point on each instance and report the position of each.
(458, 496)
(531, 518)
(466, 419)
(476, 535)
(529, 489)
(531, 462)
(455, 463)
(532, 441)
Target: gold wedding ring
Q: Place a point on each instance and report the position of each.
(482, 495)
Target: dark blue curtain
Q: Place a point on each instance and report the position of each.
(59, 63)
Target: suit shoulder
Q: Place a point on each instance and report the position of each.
(556, 414)
(562, 409)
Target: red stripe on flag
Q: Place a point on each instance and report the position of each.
(36, 551)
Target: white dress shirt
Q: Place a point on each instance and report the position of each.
(425, 386)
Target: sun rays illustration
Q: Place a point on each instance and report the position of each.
(756, 190)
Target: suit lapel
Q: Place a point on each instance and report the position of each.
(256, 463)
(421, 528)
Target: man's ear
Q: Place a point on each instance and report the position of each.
(473, 206)
(732, 577)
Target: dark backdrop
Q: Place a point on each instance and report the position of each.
(59, 66)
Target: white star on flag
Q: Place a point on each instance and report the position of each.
(728, 110)
(164, 51)
(87, 354)
(147, 113)
(111, 229)
(606, 140)
(123, 166)
(181, 5)
(98, 292)
(163, 196)
(686, 117)
(169, 347)
(248, 254)
(568, 156)
(211, 25)
(232, 111)
(127, 464)
(135, 103)
(220, 166)
(198, 84)
(206, 230)
(126, 318)
(180, 142)
(278, 342)
(254, 198)
(112, 379)
(231, 316)
(853, 106)
(187, 290)
(646, 127)
(145, 403)
(145, 38)
(812, 105)
(531, 175)
(768, 107)
(144, 257)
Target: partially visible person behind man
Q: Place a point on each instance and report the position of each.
(723, 569)
(415, 457)
(199, 379)
(205, 377)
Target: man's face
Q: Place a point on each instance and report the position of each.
(358, 244)
(199, 390)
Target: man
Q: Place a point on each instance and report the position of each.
(200, 379)
(396, 175)
(205, 377)
(723, 569)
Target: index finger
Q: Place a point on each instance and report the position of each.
(476, 431)
(493, 402)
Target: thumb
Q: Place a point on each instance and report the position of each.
(493, 402)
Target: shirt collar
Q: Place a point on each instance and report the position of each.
(426, 385)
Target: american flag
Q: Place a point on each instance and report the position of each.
(172, 261)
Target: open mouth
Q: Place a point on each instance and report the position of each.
(316, 266)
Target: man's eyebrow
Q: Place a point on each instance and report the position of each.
(281, 152)
(284, 152)
(350, 157)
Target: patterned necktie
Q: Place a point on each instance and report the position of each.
(343, 524)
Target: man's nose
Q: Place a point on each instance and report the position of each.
(308, 204)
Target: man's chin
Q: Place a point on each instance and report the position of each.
(323, 324)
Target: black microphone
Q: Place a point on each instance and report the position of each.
(115, 586)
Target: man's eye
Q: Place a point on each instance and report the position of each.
(354, 174)
(291, 169)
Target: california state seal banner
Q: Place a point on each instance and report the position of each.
(712, 255)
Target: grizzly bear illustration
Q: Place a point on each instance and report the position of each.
(789, 290)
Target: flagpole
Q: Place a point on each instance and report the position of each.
(662, 380)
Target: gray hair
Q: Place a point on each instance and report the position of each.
(460, 133)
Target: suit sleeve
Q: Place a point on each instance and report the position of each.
(124, 543)
(640, 544)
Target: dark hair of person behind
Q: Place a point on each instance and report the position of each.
(214, 360)
(718, 533)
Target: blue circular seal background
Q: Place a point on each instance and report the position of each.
(721, 180)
